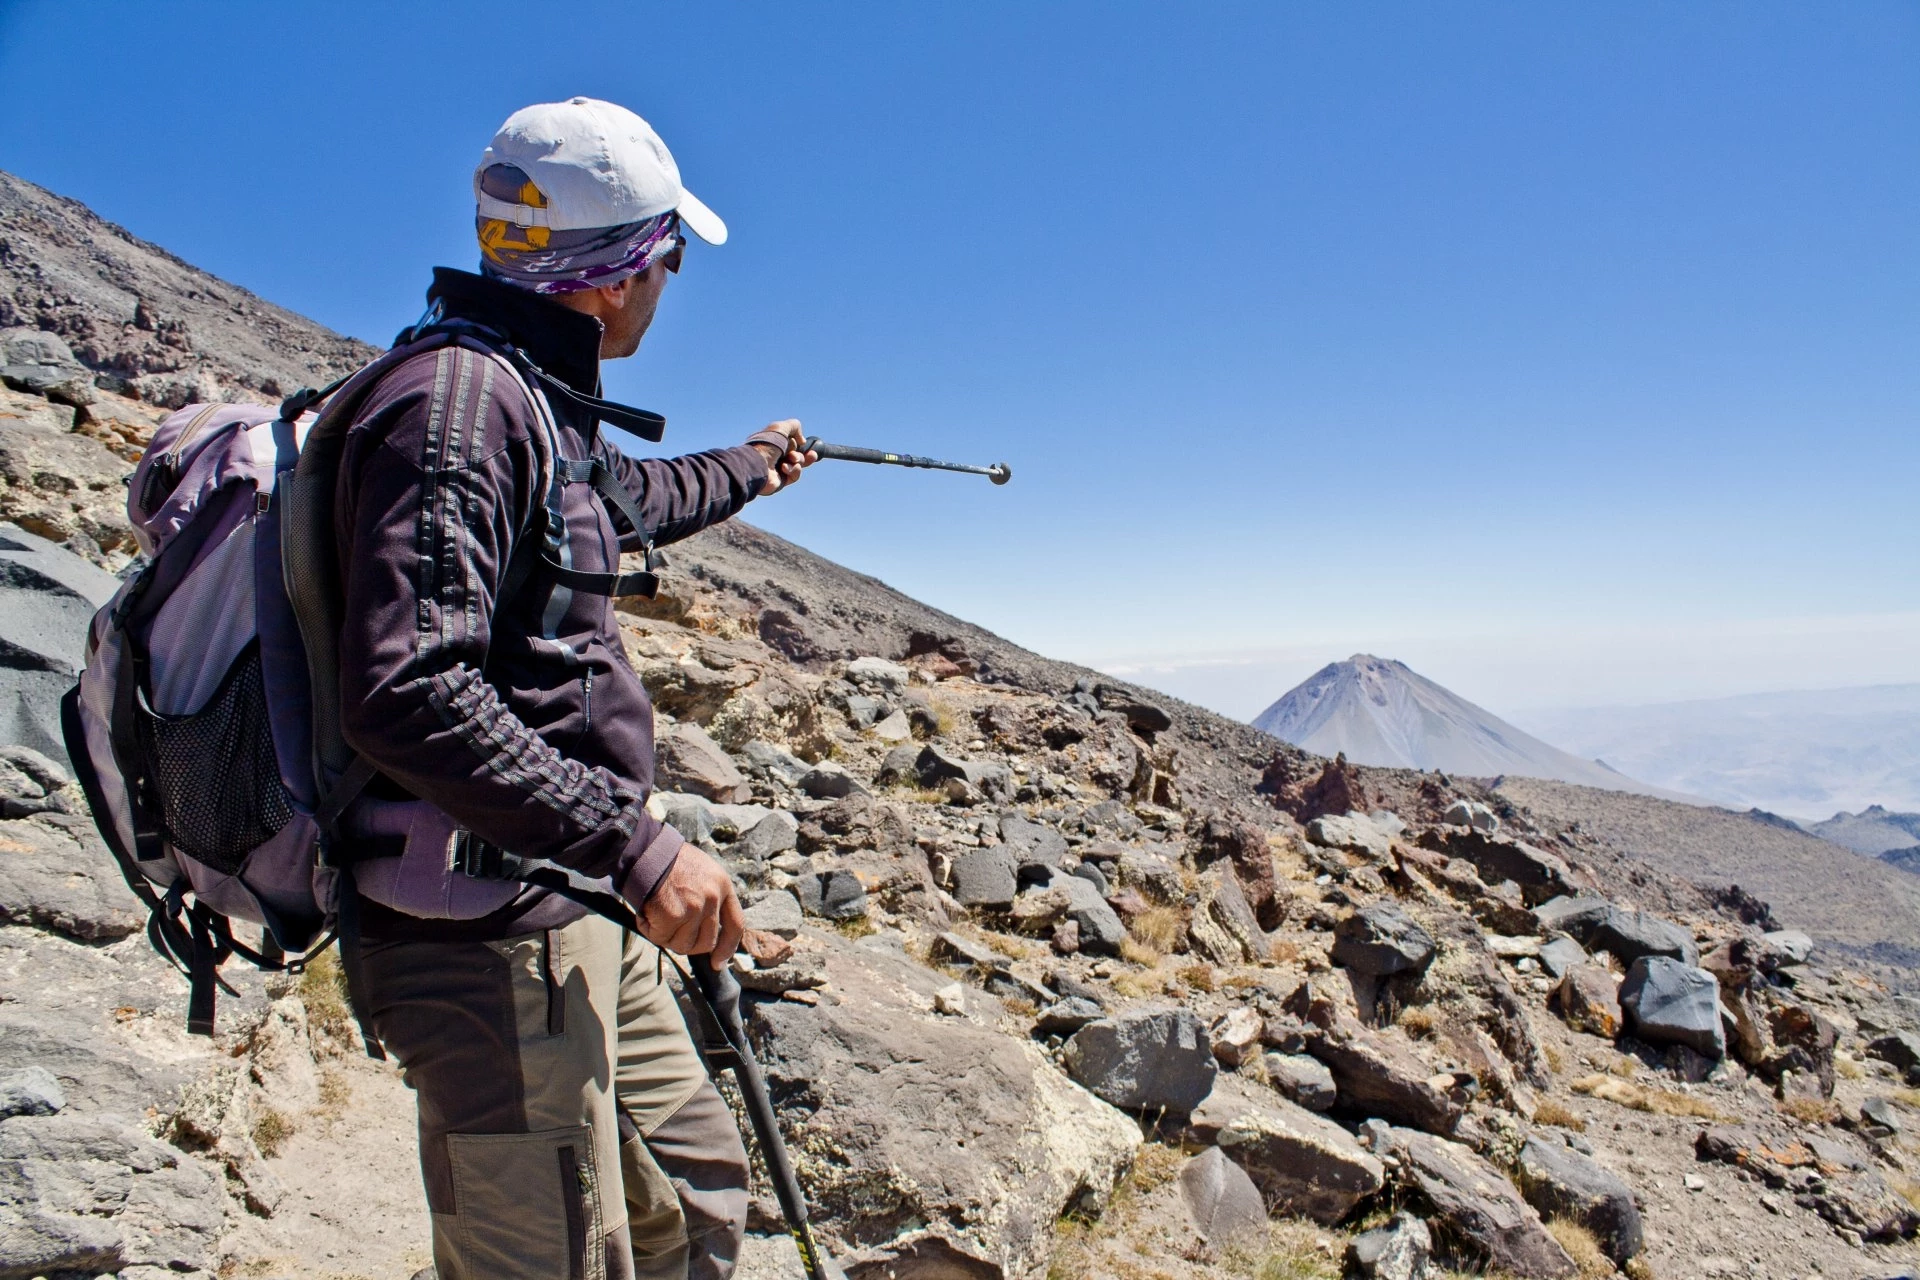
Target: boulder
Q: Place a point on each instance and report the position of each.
(984, 877)
(686, 759)
(907, 1173)
(1244, 847)
(1570, 915)
(1353, 833)
(1562, 1183)
(1235, 1036)
(878, 674)
(829, 781)
(1065, 1016)
(1223, 927)
(36, 361)
(1479, 1220)
(30, 1091)
(765, 762)
(1540, 875)
(1153, 875)
(1377, 1076)
(832, 895)
(1032, 844)
(1829, 1176)
(1901, 1049)
(1802, 1061)
(897, 767)
(1147, 1059)
(776, 912)
(1560, 956)
(1471, 813)
(1302, 1079)
(1588, 1000)
(56, 873)
(1381, 940)
(1629, 935)
(1399, 1250)
(1225, 1205)
(936, 766)
(1100, 929)
(48, 597)
(1667, 1002)
(768, 838)
(1304, 1164)
(1789, 947)
(95, 1193)
(1093, 875)
(690, 815)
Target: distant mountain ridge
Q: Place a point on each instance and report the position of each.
(1874, 831)
(1381, 712)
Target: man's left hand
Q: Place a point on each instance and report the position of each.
(783, 467)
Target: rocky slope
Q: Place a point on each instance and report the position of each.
(1873, 831)
(1380, 712)
(1052, 977)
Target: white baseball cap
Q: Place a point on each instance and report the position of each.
(597, 164)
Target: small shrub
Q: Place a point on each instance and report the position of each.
(857, 928)
(1159, 929)
(1846, 1067)
(1557, 1115)
(271, 1129)
(323, 990)
(1200, 977)
(1556, 1058)
(336, 1091)
(1639, 1269)
(1137, 986)
(1581, 1246)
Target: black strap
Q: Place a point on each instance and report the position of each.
(347, 916)
(595, 472)
(345, 790)
(641, 422)
(306, 397)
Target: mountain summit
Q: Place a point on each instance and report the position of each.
(1381, 712)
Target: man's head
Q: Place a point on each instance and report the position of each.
(580, 200)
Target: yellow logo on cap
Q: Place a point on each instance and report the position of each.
(497, 234)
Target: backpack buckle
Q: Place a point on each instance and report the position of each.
(476, 859)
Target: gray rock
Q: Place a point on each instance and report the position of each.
(1570, 915)
(1302, 1079)
(1877, 1110)
(768, 838)
(731, 821)
(1033, 845)
(1540, 875)
(937, 767)
(1223, 927)
(767, 763)
(898, 766)
(1379, 1076)
(48, 597)
(1065, 1016)
(1559, 956)
(686, 759)
(1563, 1183)
(37, 361)
(776, 912)
(1629, 935)
(1381, 940)
(1225, 1205)
(1110, 817)
(1790, 947)
(1303, 1163)
(1091, 873)
(1589, 1000)
(1101, 931)
(1667, 1002)
(832, 895)
(58, 875)
(690, 815)
(864, 712)
(1901, 1048)
(829, 781)
(1399, 1250)
(878, 674)
(31, 783)
(30, 1091)
(1152, 875)
(1471, 813)
(1353, 832)
(1475, 1210)
(984, 877)
(866, 1086)
(1144, 1060)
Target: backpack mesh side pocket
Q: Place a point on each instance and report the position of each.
(214, 773)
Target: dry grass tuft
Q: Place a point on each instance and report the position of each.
(1284, 951)
(1200, 977)
(1159, 930)
(1639, 1097)
(1639, 1269)
(1907, 1098)
(1811, 1110)
(1138, 986)
(1906, 1188)
(1556, 1058)
(323, 990)
(1580, 1245)
(1419, 1022)
(271, 1129)
(1558, 1115)
(1846, 1067)
(856, 928)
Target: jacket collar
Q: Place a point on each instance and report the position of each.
(564, 342)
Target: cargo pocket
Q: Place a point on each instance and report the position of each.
(528, 1204)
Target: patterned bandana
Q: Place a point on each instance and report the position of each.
(548, 261)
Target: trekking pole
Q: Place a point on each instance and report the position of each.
(720, 992)
(999, 472)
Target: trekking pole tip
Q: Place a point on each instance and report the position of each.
(1000, 473)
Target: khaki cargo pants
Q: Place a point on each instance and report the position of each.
(568, 1130)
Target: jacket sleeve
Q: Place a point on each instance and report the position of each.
(681, 496)
(434, 486)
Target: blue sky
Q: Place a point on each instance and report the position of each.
(1566, 352)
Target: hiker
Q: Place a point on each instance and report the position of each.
(567, 1127)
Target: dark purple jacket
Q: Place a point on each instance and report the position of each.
(521, 719)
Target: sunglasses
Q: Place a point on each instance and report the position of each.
(671, 258)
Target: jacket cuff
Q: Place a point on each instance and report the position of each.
(778, 442)
(650, 867)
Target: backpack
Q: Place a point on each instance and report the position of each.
(204, 728)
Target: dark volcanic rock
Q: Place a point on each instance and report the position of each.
(1540, 875)
(1030, 843)
(1629, 935)
(984, 877)
(1144, 1060)
(1478, 1219)
(1667, 1002)
(1562, 1183)
(1397, 1251)
(48, 597)
(1381, 939)
(1225, 1205)
(1303, 1163)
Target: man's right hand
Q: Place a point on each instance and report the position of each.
(694, 910)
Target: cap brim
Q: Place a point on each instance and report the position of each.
(701, 220)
